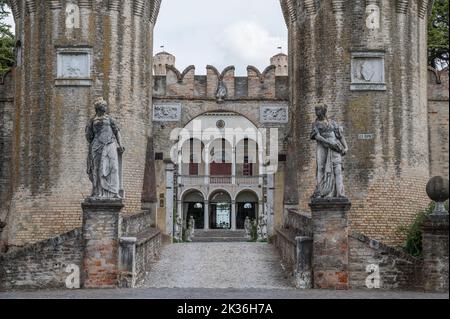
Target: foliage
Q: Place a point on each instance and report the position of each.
(438, 47)
(7, 40)
(413, 232)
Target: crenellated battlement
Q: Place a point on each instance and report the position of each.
(187, 85)
(148, 9)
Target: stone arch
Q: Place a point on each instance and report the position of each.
(193, 204)
(216, 191)
(241, 195)
(189, 191)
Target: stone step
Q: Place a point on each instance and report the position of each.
(219, 239)
(219, 233)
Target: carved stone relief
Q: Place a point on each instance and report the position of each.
(274, 114)
(72, 16)
(373, 17)
(368, 71)
(166, 112)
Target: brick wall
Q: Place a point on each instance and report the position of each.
(385, 175)
(50, 149)
(41, 265)
(6, 129)
(438, 114)
(256, 86)
(397, 270)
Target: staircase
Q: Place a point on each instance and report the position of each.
(219, 235)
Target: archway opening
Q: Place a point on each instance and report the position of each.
(220, 210)
(246, 207)
(194, 206)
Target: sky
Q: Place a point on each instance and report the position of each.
(220, 33)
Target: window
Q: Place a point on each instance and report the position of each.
(193, 169)
(247, 168)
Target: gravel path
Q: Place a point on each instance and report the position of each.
(218, 265)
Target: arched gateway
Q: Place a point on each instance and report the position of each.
(220, 174)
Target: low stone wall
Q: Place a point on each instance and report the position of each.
(134, 224)
(292, 248)
(148, 248)
(397, 269)
(300, 224)
(286, 245)
(41, 265)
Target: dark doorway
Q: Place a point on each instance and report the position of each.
(196, 210)
(245, 210)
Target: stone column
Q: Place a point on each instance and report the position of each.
(206, 213)
(270, 204)
(233, 166)
(233, 215)
(330, 243)
(127, 262)
(435, 253)
(435, 238)
(101, 243)
(207, 163)
(303, 272)
(169, 197)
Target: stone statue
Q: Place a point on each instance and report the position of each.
(178, 228)
(105, 147)
(222, 92)
(262, 227)
(248, 228)
(191, 229)
(331, 146)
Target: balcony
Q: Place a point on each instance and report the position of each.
(191, 180)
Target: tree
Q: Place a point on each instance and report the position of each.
(438, 51)
(7, 40)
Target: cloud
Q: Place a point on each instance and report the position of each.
(249, 42)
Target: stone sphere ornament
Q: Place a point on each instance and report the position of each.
(437, 190)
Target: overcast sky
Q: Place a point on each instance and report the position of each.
(221, 33)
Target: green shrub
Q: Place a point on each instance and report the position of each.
(413, 232)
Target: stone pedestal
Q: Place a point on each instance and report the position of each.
(303, 273)
(435, 253)
(330, 243)
(127, 262)
(101, 243)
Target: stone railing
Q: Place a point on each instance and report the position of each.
(191, 180)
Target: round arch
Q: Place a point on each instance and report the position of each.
(220, 210)
(187, 192)
(193, 206)
(246, 207)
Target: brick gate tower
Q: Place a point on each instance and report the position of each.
(367, 60)
(70, 52)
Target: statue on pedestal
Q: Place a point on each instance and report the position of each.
(105, 148)
(190, 231)
(331, 147)
(262, 227)
(248, 228)
(178, 232)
